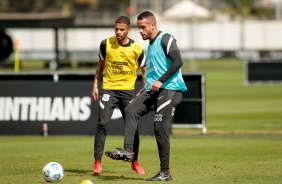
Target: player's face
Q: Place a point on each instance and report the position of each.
(145, 28)
(121, 31)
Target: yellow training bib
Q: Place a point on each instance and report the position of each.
(121, 64)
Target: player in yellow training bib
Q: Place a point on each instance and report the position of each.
(120, 56)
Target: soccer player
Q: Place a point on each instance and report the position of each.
(163, 91)
(120, 56)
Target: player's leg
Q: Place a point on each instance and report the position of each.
(133, 112)
(122, 105)
(165, 108)
(137, 108)
(134, 164)
(107, 104)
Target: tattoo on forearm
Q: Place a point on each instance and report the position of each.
(98, 73)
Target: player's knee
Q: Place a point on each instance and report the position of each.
(128, 112)
(101, 127)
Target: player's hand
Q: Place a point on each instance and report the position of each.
(95, 93)
(156, 86)
(140, 91)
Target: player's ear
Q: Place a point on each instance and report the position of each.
(153, 24)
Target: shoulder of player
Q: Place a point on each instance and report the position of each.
(103, 42)
(167, 36)
(111, 39)
(135, 43)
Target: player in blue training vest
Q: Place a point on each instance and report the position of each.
(163, 92)
(155, 69)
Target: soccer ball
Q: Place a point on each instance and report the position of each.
(86, 182)
(53, 172)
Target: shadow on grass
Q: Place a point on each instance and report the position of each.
(105, 176)
(116, 178)
(79, 172)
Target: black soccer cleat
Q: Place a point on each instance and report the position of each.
(120, 154)
(161, 176)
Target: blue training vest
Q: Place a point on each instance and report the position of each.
(157, 64)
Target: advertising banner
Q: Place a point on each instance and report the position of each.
(62, 104)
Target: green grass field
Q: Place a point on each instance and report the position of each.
(211, 159)
(243, 143)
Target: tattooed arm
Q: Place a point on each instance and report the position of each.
(99, 69)
(98, 76)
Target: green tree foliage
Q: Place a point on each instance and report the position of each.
(245, 8)
(28, 6)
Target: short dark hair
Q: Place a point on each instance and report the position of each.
(145, 14)
(123, 20)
